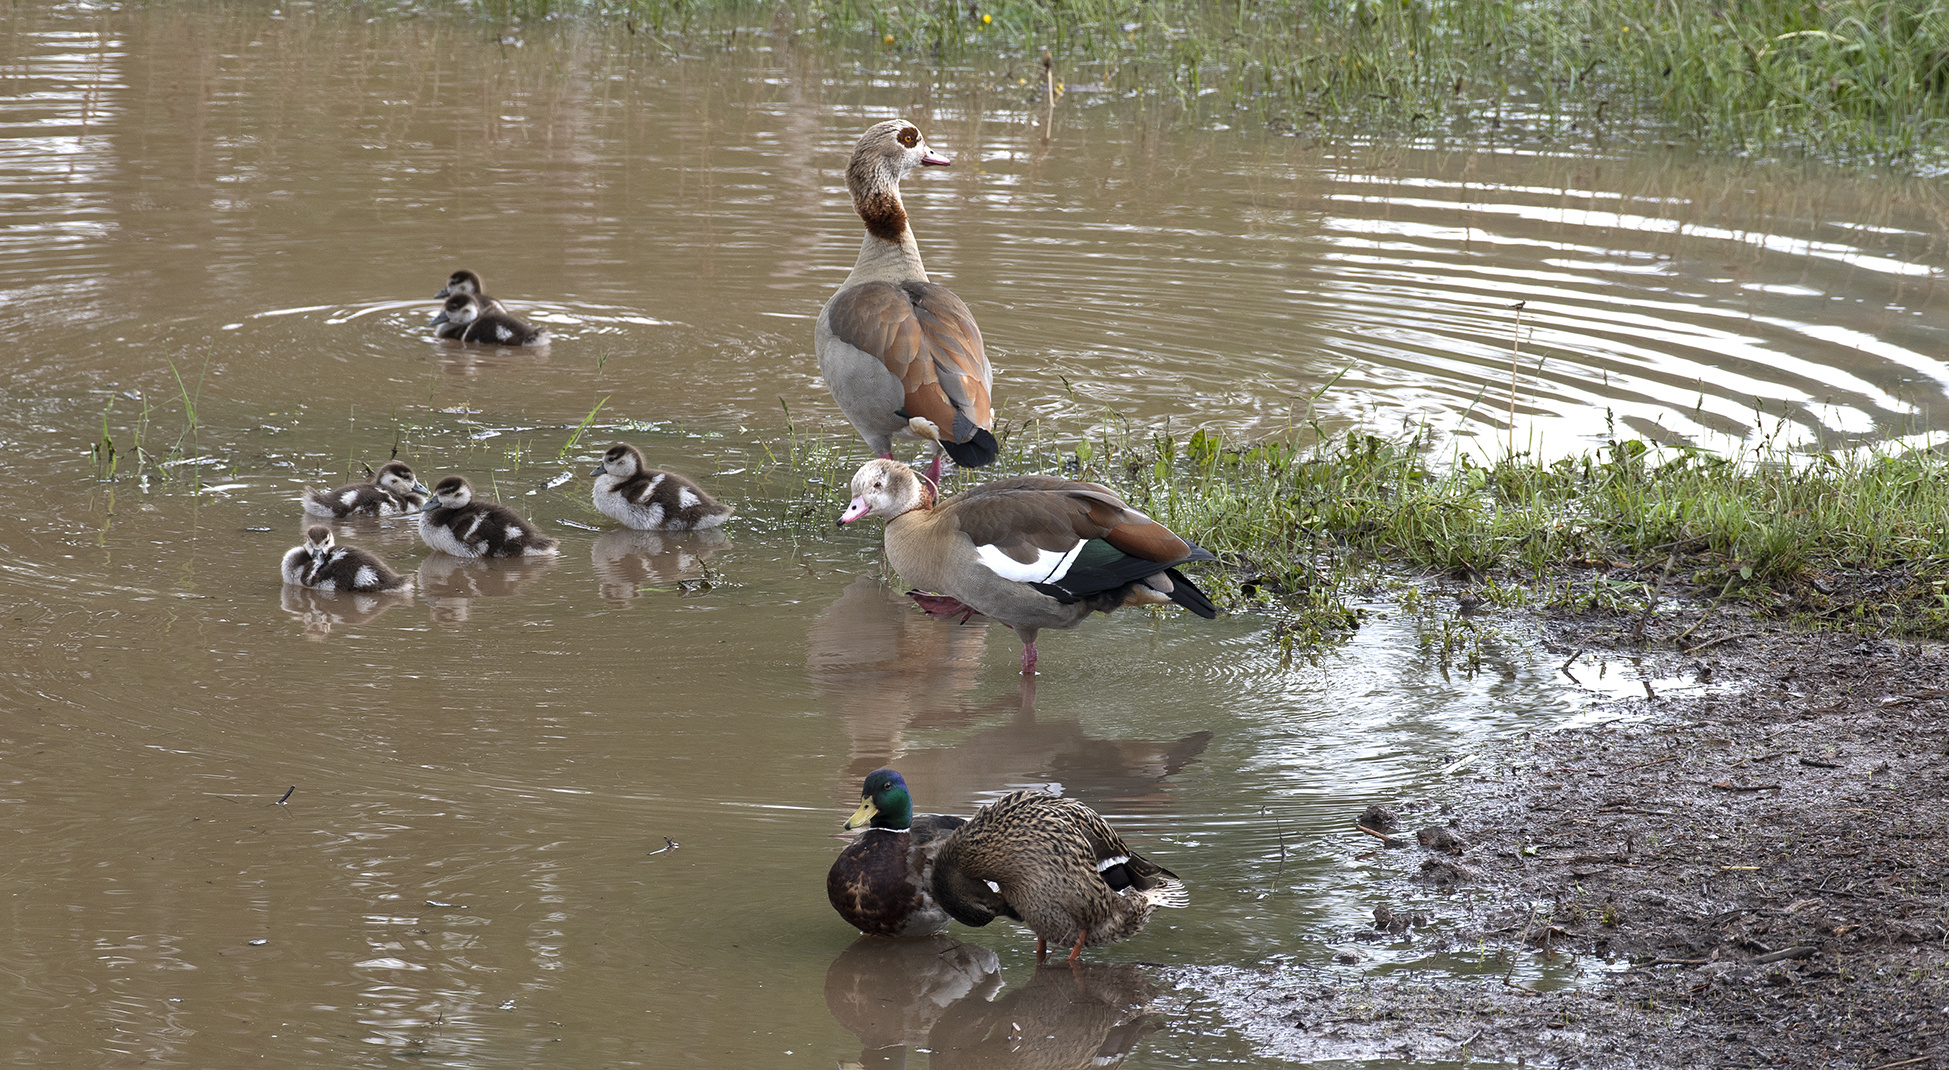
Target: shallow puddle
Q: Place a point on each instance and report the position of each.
(579, 811)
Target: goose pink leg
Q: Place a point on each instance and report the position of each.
(934, 470)
(1028, 659)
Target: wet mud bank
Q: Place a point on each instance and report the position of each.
(1754, 876)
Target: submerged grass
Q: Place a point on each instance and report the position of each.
(1309, 534)
(1844, 78)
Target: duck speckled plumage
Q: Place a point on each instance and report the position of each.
(648, 499)
(393, 489)
(1054, 865)
(880, 882)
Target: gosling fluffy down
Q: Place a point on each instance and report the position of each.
(453, 522)
(322, 566)
(393, 490)
(650, 500)
(464, 319)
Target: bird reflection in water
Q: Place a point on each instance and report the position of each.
(941, 995)
(894, 671)
(319, 611)
(626, 560)
(450, 584)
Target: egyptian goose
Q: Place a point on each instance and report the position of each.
(1054, 865)
(454, 523)
(901, 355)
(466, 282)
(393, 490)
(881, 882)
(464, 319)
(322, 566)
(1031, 551)
(650, 500)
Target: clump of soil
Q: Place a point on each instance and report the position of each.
(1767, 868)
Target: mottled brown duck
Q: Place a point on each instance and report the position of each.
(1054, 865)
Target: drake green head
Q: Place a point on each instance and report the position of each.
(884, 802)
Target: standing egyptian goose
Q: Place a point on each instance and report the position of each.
(466, 282)
(1054, 865)
(453, 522)
(1032, 551)
(901, 355)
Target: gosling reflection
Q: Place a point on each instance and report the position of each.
(941, 994)
(890, 993)
(450, 584)
(320, 611)
(626, 560)
(400, 532)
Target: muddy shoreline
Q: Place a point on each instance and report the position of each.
(1760, 868)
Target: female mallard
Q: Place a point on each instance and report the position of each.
(879, 882)
(1054, 865)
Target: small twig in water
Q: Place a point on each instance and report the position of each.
(1281, 829)
(1386, 840)
(668, 845)
(287, 794)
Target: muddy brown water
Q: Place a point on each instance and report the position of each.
(248, 824)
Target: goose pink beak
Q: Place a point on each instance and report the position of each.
(928, 159)
(854, 511)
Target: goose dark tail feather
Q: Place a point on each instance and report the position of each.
(979, 451)
(1187, 594)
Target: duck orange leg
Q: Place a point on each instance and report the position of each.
(1041, 951)
(1077, 951)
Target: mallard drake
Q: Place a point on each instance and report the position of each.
(1031, 551)
(902, 355)
(879, 883)
(393, 489)
(1054, 865)
(650, 500)
(454, 523)
(463, 319)
(321, 566)
(466, 282)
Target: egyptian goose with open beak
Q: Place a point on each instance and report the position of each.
(901, 355)
(1031, 551)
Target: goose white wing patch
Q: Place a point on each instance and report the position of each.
(1047, 567)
